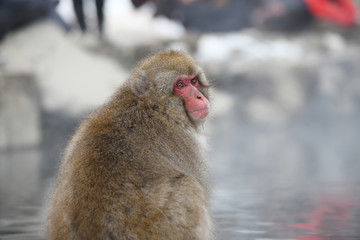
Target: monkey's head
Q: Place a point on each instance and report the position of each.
(174, 80)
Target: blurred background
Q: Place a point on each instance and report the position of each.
(284, 130)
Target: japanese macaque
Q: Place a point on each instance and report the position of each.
(135, 169)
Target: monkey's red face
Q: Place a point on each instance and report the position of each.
(189, 88)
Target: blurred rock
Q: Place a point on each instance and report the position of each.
(19, 112)
(70, 77)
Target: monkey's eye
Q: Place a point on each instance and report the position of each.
(180, 84)
(194, 81)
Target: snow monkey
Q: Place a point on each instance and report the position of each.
(135, 169)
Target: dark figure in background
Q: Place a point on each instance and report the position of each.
(282, 15)
(79, 11)
(16, 14)
(233, 15)
(138, 3)
(206, 15)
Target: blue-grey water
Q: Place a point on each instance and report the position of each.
(245, 205)
(297, 179)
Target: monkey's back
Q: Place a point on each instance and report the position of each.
(126, 175)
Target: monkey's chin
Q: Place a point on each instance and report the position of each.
(200, 113)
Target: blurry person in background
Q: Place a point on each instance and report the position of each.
(342, 12)
(206, 15)
(297, 14)
(79, 11)
(232, 15)
(284, 15)
(16, 14)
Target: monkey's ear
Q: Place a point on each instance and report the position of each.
(139, 84)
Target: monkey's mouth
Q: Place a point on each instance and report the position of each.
(201, 112)
(200, 109)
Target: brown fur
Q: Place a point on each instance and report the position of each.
(134, 169)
